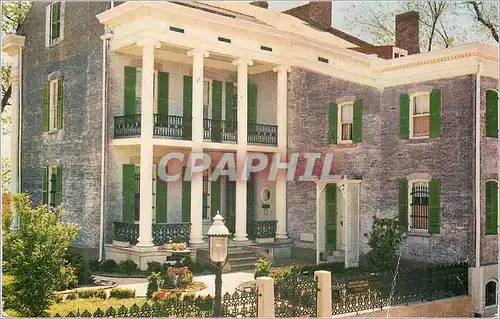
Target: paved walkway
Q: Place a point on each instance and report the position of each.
(230, 282)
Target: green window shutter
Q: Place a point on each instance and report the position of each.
(215, 197)
(357, 121)
(491, 208)
(45, 186)
(128, 193)
(216, 111)
(56, 17)
(435, 113)
(434, 206)
(161, 200)
(404, 116)
(332, 123)
(252, 108)
(403, 203)
(187, 106)
(46, 106)
(231, 119)
(491, 113)
(60, 103)
(129, 91)
(331, 217)
(251, 207)
(186, 199)
(231, 206)
(58, 193)
(162, 107)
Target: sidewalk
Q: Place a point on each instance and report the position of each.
(230, 282)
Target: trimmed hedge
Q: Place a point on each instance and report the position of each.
(121, 293)
(92, 293)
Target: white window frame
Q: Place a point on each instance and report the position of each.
(210, 90)
(426, 97)
(48, 25)
(399, 51)
(339, 121)
(53, 101)
(52, 169)
(410, 187)
(155, 88)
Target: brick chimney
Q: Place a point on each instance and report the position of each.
(262, 4)
(407, 32)
(319, 13)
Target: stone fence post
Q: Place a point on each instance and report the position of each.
(265, 297)
(324, 296)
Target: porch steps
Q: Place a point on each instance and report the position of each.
(242, 260)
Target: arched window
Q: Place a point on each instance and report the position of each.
(491, 113)
(490, 293)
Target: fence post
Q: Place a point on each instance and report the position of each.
(265, 297)
(324, 295)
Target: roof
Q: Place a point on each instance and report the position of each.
(279, 21)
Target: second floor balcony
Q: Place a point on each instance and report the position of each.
(180, 127)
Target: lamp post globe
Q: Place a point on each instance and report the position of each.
(217, 244)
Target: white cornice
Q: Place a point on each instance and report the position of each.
(11, 43)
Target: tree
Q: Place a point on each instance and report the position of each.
(34, 256)
(486, 14)
(13, 15)
(442, 23)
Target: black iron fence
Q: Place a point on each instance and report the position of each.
(262, 134)
(370, 291)
(171, 126)
(127, 126)
(295, 296)
(237, 304)
(162, 233)
(265, 228)
(220, 130)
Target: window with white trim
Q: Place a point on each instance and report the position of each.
(419, 205)
(345, 124)
(207, 101)
(54, 23)
(53, 105)
(419, 115)
(138, 90)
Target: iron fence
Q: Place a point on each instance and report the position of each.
(171, 125)
(265, 228)
(295, 296)
(237, 304)
(162, 233)
(262, 134)
(219, 130)
(127, 126)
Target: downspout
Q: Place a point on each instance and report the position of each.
(20, 119)
(105, 38)
(478, 167)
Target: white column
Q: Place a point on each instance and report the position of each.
(147, 109)
(281, 121)
(241, 185)
(198, 55)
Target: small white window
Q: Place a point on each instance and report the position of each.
(345, 115)
(52, 178)
(419, 115)
(419, 205)
(53, 105)
(54, 23)
(138, 90)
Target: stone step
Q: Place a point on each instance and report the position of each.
(241, 254)
(243, 267)
(242, 261)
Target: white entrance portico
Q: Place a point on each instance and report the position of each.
(337, 220)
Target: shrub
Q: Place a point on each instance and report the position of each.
(94, 265)
(92, 293)
(154, 281)
(71, 296)
(6, 212)
(384, 240)
(109, 265)
(128, 266)
(154, 266)
(262, 268)
(82, 269)
(120, 293)
(35, 257)
(186, 280)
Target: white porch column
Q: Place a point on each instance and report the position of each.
(241, 185)
(147, 109)
(198, 55)
(281, 121)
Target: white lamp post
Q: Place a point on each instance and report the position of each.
(217, 246)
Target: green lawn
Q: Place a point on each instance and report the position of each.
(91, 305)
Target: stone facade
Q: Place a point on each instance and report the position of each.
(382, 158)
(77, 147)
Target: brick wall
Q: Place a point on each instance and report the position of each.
(77, 146)
(407, 32)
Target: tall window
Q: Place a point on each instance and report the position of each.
(419, 204)
(346, 116)
(206, 99)
(419, 108)
(52, 186)
(53, 105)
(490, 294)
(137, 202)
(55, 21)
(138, 90)
(206, 195)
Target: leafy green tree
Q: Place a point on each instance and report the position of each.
(384, 240)
(35, 257)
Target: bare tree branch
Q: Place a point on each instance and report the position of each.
(6, 97)
(484, 21)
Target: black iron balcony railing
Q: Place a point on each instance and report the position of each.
(127, 125)
(265, 228)
(262, 134)
(162, 233)
(220, 130)
(172, 126)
